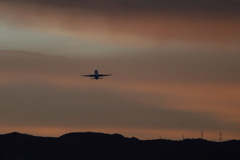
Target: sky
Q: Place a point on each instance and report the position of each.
(175, 66)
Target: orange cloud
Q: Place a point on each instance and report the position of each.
(176, 90)
(137, 28)
(49, 92)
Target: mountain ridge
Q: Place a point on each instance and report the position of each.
(91, 145)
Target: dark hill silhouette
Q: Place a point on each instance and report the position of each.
(99, 146)
(92, 137)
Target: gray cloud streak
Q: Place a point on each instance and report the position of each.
(124, 25)
(223, 5)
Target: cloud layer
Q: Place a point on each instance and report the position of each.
(164, 95)
(175, 67)
(128, 22)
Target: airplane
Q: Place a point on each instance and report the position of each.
(96, 75)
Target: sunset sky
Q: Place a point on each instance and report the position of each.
(175, 66)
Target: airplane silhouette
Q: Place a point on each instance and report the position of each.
(96, 75)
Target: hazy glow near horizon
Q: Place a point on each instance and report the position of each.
(174, 72)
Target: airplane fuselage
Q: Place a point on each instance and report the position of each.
(96, 75)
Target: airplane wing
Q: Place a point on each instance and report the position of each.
(101, 75)
(88, 75)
